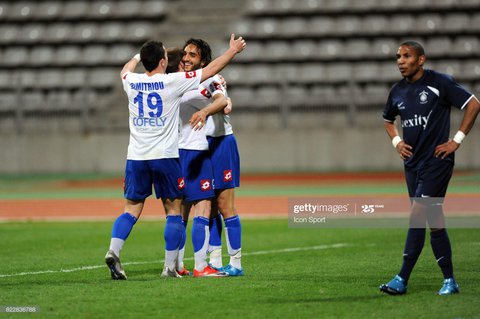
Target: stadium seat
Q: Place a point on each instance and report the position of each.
(290, 72)
(304, 49)
(449, 67)
(103, 78)
(311, 73)
(154, 9)
(282, 6)
(389, 72)
(348, 25)
(58, 100)
(235, 73)
(390, 5)
(246, 27)
(32, 101)
(94, 55)
(258, 6)
(384, 48)
(475, 22)
(21, 11)
(374, 24)
(401, 24)
(42, 55)
(335, 5)
(8, 34)
(429, 23)
(293, 27)
(330, 49)
(84, 32)
(465, 46)
(366, 71)
(261, 73)
(8, 101)
(455, 23)
(471, 70)
(242, 96)
(68, 55)
(111, 32)
(139, 31)
(49, 78)
(339, 72)
(362, 6)
(269, 96)
(28, 78)
(323, 93)
(438, 46)
(357, 48)
(417, 4)
(127, 9)
(255, 52)
(74, 10)
(101, 9)
(266, 27)
(7, 80)
(15, 55)
(120, 53)
(443, 4)
(277, 50)
(75, 78)
(376, 93)
(31, 33)
(48, 10)
(297, 95)
(4, 9)
(58, 32)
(321, 26)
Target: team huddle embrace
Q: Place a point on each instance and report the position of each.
(182, 146)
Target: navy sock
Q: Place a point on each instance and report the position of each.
(184, 234)
(443, 251)
(413, 248)
(123, 226)
(216, 231)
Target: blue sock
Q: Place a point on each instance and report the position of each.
(173, 232)
(443, 251)
(184, 234)
(123, 226)
(198, 233)
(216, 231)
(233, 230)
(413, 248)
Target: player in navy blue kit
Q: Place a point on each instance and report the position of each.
(423, 100)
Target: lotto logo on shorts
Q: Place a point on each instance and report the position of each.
(205, 185)
(181, 183)
(190, 74)
(227, 175)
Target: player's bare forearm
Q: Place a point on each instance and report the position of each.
(236, 46)
(471, 112)
(198, 119)
(403, 149)
(228, 108)
(130, 65)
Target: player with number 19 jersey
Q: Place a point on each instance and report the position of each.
(154, 112)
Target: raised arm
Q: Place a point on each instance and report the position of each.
(130, 65)
(236, 46)
(471, 111)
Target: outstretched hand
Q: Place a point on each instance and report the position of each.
(445, 149)
(237, 44)
(198, 120)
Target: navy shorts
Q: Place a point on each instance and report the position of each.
(164, 174)
(225, 160)
(197, 169)
(431, 180)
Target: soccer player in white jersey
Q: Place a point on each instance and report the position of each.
(226, 172)
(194, 155)
(152, 159)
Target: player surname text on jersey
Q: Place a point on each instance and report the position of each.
(144, 86)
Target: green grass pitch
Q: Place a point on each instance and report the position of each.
(290, 273)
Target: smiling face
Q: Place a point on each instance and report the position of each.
(410, 63)
(192, 58)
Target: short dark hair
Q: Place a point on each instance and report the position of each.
(151, 53)
(417, 47)
(175, 56)
(203, 47)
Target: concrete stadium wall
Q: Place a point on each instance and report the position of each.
(262, 149)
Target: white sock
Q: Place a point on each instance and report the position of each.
(116, 244)
(216, 257)
(171, 258)
(181, 254)
(236, 259)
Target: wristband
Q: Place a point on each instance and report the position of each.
(397, 139)
(137, 57)
(459, 136)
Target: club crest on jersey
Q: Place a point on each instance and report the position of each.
(423, 97)
(205, 185)
(227, 175)
(181, 183)
(190, 74)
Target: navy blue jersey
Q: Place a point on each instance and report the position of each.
(424, 109)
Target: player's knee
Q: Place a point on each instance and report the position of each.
(226, 208)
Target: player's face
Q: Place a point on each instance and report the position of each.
(409, 63)
(192, 58)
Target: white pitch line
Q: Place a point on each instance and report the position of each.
(264, 252)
